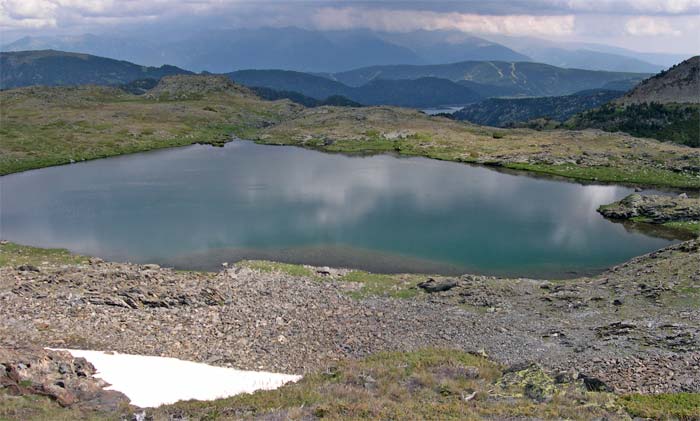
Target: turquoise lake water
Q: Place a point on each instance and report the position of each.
(198, 206)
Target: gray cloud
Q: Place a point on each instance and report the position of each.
(641, 24)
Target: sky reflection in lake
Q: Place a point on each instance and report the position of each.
(197, 206)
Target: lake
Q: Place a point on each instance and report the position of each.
(198, 206)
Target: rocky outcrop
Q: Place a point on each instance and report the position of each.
(194, 86)
(57, 375)
(654, 208)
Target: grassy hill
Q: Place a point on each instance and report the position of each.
(665, 106)
(501, 112)
(52, 68)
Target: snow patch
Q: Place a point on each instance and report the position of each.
(153, 381)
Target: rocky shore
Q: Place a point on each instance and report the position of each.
(634, 328)
(680, 212)
(654, 208)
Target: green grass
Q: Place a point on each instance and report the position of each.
(644, 175)
(40, 408)
(268, 266)
(14, 255)
(373, 284)
(42, 127)
(397, 286)
(690, 226)
(678, 406)
(425, 384)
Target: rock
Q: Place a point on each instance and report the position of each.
(594, 384)
(324, 271)
(535, 392)
(654, 208)
(56, 374)
(437, 285)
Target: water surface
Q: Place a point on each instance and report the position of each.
(197, 206)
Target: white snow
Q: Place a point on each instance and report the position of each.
(153, 381)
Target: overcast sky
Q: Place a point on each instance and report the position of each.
(645, 25)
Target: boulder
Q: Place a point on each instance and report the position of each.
(433, 285)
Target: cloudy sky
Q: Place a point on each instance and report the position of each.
(644, 25)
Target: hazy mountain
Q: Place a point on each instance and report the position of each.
(279, 48)
(679, 84)
(422, 92)
(532, 79)
(588, 56)
(286, 80)
(506, 111)
(591, 60)
(48, 67)
(437, 47)
(224, 51)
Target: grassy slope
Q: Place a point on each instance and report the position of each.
(52, 126)
(14, 255)
(589, 155)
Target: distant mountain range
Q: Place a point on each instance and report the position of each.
(59, 68)
(422, 92)
(525, 78)
(333, 51)
(433, 85)
(410, 86)
(502, 112)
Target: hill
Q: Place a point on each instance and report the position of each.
(679, 84)
(664, 107)
(286, 80)
(532, 79)
(274, 95)
(52, 68)
(502, 112)
(678, 123)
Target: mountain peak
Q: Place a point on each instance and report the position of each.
(679, 84)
